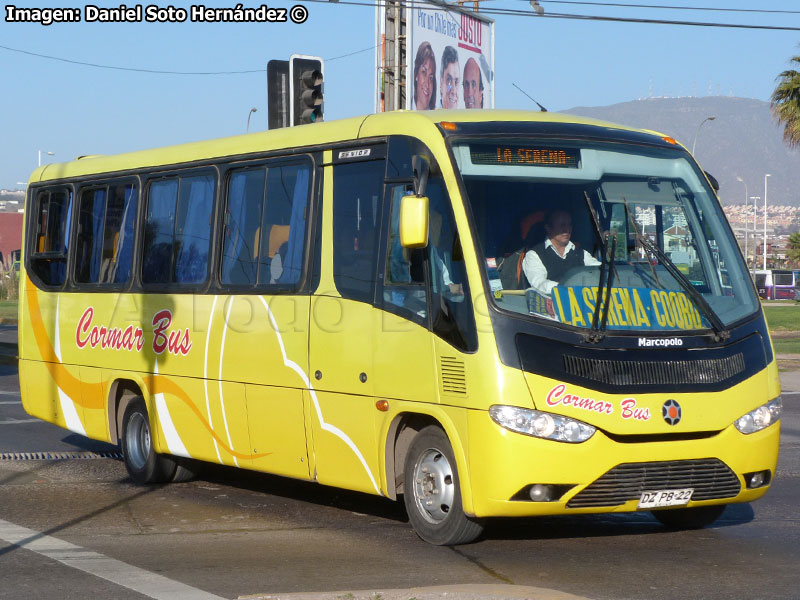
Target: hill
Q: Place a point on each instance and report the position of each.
(743, 140)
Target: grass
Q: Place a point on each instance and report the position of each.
(783, 318)
(8, 309)
(787, 345)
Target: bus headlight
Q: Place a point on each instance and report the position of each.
(761, 417)
(541, 424)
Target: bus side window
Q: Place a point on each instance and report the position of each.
(104, 248)
(265, 225)
(451, 306)
(177, 233)
(404, 279)
(284, 224)
(357, 195)
(53, 213)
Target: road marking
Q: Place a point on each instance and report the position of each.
(99, 565)
(19, 401)
(9, 393)
(20, 421)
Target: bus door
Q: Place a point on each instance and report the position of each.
(265, 320)
(403, 343)
(343, 321)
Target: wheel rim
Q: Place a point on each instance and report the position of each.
(434, 486)
(137, 438)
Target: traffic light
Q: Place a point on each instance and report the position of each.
(278, 93)
(305, 89)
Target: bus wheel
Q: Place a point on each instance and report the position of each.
(141, 461)
(696, 517)
(432, 493)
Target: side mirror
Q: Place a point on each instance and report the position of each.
(414, 221)
(712, 180)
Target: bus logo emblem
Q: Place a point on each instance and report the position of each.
(671, 411)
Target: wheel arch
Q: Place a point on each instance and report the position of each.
(401, 430)
(120, 393)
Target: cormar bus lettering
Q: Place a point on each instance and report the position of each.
(662, 342)
(107, 337)
(172, 341)
(556, 396)
(631, 411)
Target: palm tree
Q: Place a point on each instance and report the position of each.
(794, 247)
(785, 103)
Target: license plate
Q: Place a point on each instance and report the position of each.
(659, 498)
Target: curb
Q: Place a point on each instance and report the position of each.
(443, 592)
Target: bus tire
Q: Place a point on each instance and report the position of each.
(141, 460)
(432, 491)
(696, 517)
(185, 469)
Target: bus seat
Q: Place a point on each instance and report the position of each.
(278, 235)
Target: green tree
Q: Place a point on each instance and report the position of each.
(793, 248)
(785, 103)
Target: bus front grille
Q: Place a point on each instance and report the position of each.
(709, 477)
(661, 372)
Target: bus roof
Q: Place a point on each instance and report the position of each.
(423, 123)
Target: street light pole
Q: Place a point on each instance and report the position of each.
(765, 219)
(47, 153)
(250, 114)
(698, 131)
(745, 218)
(755, 200)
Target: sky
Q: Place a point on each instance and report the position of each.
(71, 109)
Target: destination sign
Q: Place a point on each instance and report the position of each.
(630, 308)
(531, 156)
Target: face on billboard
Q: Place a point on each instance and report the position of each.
(424, 84)
(450, 82)
(473, 86)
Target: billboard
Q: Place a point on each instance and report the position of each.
(450, 57)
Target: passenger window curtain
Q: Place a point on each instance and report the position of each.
(293, 263)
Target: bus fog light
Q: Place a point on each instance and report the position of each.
(541, 424)
(540, 493)
(761, 417)
(757, 479)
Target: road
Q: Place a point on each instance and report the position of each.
(87, 531)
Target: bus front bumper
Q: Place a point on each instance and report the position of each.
(505, 465)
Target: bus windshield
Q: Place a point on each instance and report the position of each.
(602, 235)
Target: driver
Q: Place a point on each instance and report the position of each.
(546, 263)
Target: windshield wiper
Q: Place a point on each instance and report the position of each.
(595, 335)
(720, 333)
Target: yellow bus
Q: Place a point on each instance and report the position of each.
(370, 304)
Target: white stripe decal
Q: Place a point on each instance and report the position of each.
(99, 565)
(68, 409)
(221, 396)
(205, 377)
(174, 444)
(325, 426)
(71, 418)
